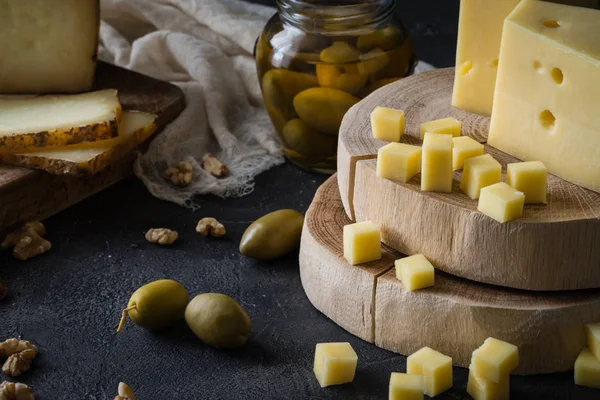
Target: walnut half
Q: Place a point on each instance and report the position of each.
(19, 355)
(161, 236)
(15, 391)
(181, 174)
(27, 242)
(210, 226)
(215, 167)
(125, 392)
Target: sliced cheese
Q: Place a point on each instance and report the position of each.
(48, 46)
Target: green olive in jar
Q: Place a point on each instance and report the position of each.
(307, 141)
(280, 86)
(273, 235)
(345, 78)
(323, 108)
(218, 320)
(373, 62)
(340, 53)
(385, 39)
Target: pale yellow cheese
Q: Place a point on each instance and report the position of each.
(478, 48)
(494, 360)
(405, 387)
(530, 178)
(387, 124)
(592, 332)
(362, 242)
(546, 98)
(435, 367)
(335, 363)
(501, 202)
(436, 165)
(587, 370)
(398, 161)
(479, 172)
(415, 272)
(447, 126)
(483, 389)
(464, 147)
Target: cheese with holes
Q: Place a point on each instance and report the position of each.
(335, 363)
(405, 387)
(48, 46)
(546, 100)
(436, 163)
(478, 48)
(362, 242)
(435, 367)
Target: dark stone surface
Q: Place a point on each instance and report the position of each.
(68, 301)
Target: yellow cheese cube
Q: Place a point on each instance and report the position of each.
(479, 172)
(387, 124)
(587, 370)
(546, 100)
(436, 166)
(501, 202)
(362, 242)
(398, 161)
(592, 332)
(464, 148)
(406, 387)
(494, 360)
(415, 272)
(435, 367)
(335, 363)
(530, 178)
(483, 389)
(448, 126)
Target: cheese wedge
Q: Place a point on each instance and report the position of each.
(50, 121)
(88, 158)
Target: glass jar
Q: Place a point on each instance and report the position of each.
(316, 59)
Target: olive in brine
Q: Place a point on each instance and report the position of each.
(340, 53)
(345, 78)
(307, 141)
(323, 108)
(279, 87)
(385, 39)
(273, 235)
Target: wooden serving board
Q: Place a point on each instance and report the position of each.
(553, 247)
(34, 195)
(454, 317)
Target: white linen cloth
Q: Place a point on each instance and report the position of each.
(205, 47)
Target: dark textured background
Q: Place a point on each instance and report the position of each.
(68, 301)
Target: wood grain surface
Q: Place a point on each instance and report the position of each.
(30, 194)
(455, 316)
(553, 247)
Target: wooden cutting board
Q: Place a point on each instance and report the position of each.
(553, 247)
(454, 316)
(35, 195)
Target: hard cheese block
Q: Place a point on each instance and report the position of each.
(48, 46)
(478, 48)
(546, 100)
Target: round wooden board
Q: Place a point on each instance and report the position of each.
(553, 247)
(454, 317)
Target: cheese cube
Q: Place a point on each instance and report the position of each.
(483, 389)
(415, 272)
(406, 387)
(546, 101)
(494, 360)
(530, 178)
(464, 148)
(436, 164)
(501, 202)
(387, 124)
(448, 126)
(398, 161)
(48, 46)
(592, 332)
(587, 370)
(335, 363)
(435, 367)
(479, 172)
(362, 242)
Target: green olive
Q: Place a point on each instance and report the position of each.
(323, 108)
(218, 320)
(272, 235)
(340, 53)
(385, 39)
(373, 62)
(279, 86)
(377, 85)
(308, 141)
(156, 305)
(343, 78)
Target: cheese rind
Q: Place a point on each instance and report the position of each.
(494, 360)
(587, 370)
(335, 363)
(435, 367)
(387, 124)
(530, 178)
(464, 148)
(592, 333)
(398, 162)
(405, 387)
(446, 126)
(362, 242)
(415, 272)
(436, 163)
(479, 172)
(483, 389)
(501, 202)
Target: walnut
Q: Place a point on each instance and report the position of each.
(125, 392)
(210, 226)
(19, 355)
(15, 391)
(3, 291)
(161, 236)
(181, 174)
(215, 167)
(27, 242)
